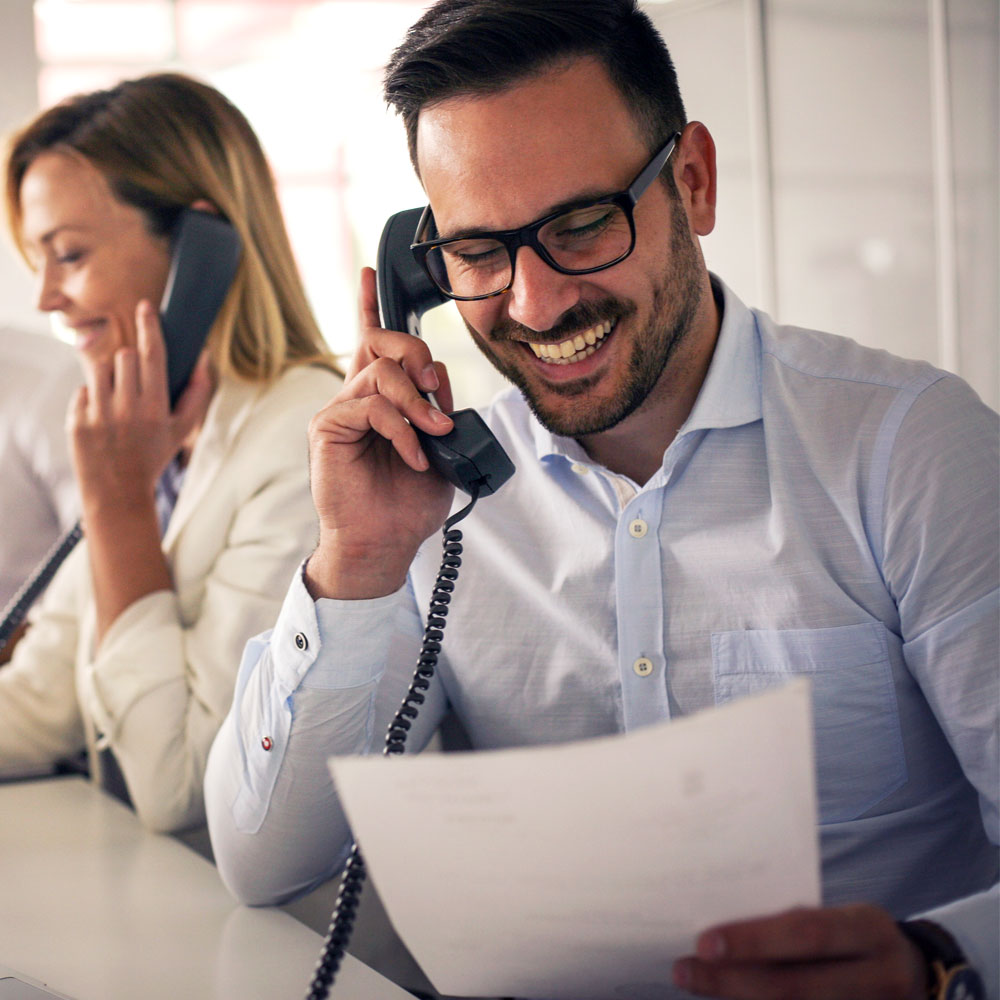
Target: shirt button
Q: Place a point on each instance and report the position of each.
(580, 470)
(267, 743)
(643, 666)
(301, 641)
(638, 528)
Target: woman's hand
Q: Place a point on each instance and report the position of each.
(123, 435)
(122, 432)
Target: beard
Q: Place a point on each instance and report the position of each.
(675, 301)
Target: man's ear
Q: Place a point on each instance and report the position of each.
(694, 173)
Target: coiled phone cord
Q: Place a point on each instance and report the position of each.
(20, 603)
(352, 880)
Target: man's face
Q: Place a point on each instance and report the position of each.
(585, 350)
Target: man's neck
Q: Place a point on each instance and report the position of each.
(635, 447)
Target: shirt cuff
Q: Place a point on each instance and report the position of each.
(330, 644)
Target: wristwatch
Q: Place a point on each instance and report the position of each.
(952, 978)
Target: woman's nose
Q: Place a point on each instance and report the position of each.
(50, 297)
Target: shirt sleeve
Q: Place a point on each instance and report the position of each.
(325, 681)
(941, 562)
(161, 680)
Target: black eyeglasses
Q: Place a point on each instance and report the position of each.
(581, 239)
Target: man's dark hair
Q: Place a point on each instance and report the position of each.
(478, 47)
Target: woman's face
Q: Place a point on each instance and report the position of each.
(94, 256)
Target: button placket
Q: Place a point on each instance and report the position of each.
(639, 587)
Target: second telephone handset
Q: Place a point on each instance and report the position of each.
(205, 254)
(469, 455)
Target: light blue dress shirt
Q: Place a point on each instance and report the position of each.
(826, 510)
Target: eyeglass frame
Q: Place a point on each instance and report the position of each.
(527, 236)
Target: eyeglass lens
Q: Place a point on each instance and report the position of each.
(585, 238)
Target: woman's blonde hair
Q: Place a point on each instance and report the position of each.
(164, 141)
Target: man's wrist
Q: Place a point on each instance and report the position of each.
(332, 573)
(949, 974)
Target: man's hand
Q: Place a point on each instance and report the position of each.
(376, 498)
(840, 953)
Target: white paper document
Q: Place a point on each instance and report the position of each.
(584, 870)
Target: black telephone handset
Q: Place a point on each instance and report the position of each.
(205, 254)
(469, 455)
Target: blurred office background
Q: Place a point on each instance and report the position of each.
(857, 139)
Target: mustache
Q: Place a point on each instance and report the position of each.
(580, 317)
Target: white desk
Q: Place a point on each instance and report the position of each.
(97, 908)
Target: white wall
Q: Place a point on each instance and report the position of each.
(857, 165)
(18, 102)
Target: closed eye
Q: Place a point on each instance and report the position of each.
(586, 224)
(476, 253)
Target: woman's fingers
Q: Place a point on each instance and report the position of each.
(126, 379)
(152, 356)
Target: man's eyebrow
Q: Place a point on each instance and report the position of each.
(577, 201)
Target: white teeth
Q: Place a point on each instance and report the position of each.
(576, 348)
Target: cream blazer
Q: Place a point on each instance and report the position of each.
(160, 684)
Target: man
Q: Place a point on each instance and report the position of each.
(705, 503)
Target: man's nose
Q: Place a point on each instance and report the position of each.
(539, 294)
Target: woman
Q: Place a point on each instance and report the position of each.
(194, 520)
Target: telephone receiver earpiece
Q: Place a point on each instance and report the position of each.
(469, 456)
(205, 254)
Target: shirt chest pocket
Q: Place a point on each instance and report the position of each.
(859, 748)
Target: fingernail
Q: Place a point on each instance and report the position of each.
(711, 945)
(429, 380)
(439, 418)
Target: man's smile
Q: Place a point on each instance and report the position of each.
(575, 348)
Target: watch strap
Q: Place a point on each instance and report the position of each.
(951, 975)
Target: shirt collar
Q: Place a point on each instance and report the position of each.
(729, 396)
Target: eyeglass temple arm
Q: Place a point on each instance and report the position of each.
(653, 169)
